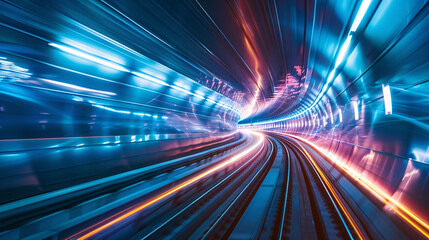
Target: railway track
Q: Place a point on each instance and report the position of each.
(293, 201)
(321, 213)
(277, 190)
(27, 211)
(279, 196)
(283, 197)
(230, 191)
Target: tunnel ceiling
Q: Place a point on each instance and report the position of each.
(272, 52)
(261, 49)
(279, 57)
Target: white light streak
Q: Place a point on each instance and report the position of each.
(150, 78)
(92, 58)
(387, 99)
(361, 13)
(356, 109)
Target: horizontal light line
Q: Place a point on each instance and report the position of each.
(173, 190)
(150, 78)
(410, 217)
(90, 57)
(108, 63)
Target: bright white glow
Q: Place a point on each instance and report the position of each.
(77, 88)
(340, 114)
(20, 69)
(111, 109)
(387, 99)
(181, 89)
(210, 100)
(343, 51)
(358, 19)
(356, 109)
(332, 118)
(107, 61)
(150, 78)
(90, 57)
(198, 96)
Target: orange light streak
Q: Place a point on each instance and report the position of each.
(403, 211)
(337, 199)
(256, 69)
(173, 190)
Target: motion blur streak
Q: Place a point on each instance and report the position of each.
(337, 199)
(124, 215)
(402, 210)
(89, 57)
(126, 119)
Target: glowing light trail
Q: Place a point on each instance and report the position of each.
(403, 211)
(89, 57)
(132, 211)
(356, 109)
(335, 195)
(114, 65)
(150, 78)
(341, 56)
(387, 100)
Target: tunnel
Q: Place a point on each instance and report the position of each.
(214, 119)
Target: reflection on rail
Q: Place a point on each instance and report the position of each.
(251, 185)
(412, 218)
(133, 210)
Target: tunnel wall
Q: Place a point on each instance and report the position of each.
(79, 101)
(35, 166)
(354, 122)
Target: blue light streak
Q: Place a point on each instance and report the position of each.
(111, 64)
(90, 57)
(339, 59)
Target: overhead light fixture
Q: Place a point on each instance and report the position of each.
(356, 109)
(387, 99)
